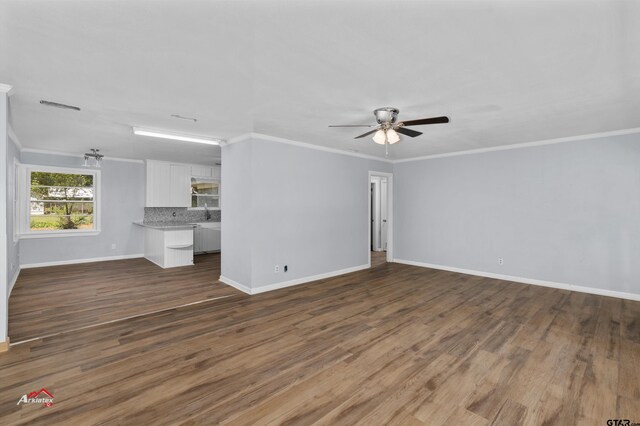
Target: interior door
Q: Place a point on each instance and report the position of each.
(375, 214)
(383, 214)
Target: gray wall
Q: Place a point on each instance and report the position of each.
(237, 222)
(3, 216)
(294, 206)
(13, 248)
(122, 202)
(567, 213)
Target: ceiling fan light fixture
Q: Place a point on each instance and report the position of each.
(392, 136)
(388, 127)
(380, 137)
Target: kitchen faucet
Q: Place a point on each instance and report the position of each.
(207, 213)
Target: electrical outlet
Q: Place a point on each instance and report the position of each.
(286, 268)
(500, 261)
(276, 269)
(113, 246)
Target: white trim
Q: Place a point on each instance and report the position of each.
(24, 216)
(15, 206)
(66, 154)
(525, 144)
(253, 135)
(57, 234)
(62, 169)
(13, 281)
(6, 88)
(240, 138)
(87, 260)
(290, 283)
(303, 280)
(109, 158)
(389, 177)
(532, 281)
(14, 137)
(228, 281)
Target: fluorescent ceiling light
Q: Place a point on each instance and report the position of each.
(156, 134)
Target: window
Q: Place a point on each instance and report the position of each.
(60, 202)
(205, 193)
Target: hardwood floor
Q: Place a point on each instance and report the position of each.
(378, 258)
(394, 344)
(62, 298)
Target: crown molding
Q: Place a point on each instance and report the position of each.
(6, 88)
(14, 137)
(525, 144)
(240, 138)
(66, 154)
(253, 135)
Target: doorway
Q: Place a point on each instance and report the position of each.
(380, 225)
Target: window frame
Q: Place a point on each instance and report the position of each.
(206, 179)
(24, 215)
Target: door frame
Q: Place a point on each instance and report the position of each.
(389, 177)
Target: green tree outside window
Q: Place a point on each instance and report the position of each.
(61, 201)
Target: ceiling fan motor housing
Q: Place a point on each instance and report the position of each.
(386, 115)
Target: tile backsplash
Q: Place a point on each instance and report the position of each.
(165, 214)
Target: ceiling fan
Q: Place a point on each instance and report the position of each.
(387, 129)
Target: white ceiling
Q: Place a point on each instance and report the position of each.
(505, 72)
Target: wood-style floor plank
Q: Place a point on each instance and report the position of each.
(54, 299)
(394, 344)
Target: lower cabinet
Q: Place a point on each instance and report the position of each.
(206, 238)
(169, 248)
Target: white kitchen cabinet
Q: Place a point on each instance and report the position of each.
(202, 171)
(216, 172)
(168, 185)
(205, 171)
(180, 188)
(158, 183)
(206, 238)
(211, 240)
(169, 248)
(205, 192)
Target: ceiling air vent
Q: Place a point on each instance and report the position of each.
(181, 117)
(58, 105)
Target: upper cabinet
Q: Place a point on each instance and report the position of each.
(216, 172)
(205, 172)
(158, 184)
(205, 192)
(170, 184)
(180, 186)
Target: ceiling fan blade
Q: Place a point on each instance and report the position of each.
(366, 134)
(353, 125)
(408, 132)
(432, 120)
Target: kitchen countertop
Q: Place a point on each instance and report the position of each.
(169, 224)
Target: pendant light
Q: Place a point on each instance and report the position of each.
(93, 157)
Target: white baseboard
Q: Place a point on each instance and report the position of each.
(532, 281)
(290, 283)
(243, 288)
(297, 281)
(13, 280)
(88, 260)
